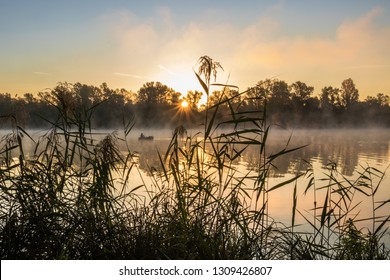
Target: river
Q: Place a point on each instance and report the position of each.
(344, 153)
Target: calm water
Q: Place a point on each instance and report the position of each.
(350, 151)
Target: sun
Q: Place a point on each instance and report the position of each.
(184, 104)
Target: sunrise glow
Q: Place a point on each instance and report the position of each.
(184, 104)
(129, 44)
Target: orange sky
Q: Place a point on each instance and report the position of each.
(127, 44)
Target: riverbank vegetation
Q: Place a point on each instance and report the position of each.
(75, 197)
(155, 105)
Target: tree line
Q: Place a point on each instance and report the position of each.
(156, 105)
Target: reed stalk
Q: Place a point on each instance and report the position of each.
(75, 197)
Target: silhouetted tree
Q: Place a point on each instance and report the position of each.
(157, 93)
(157, 105)
(278, 102)
(90, 95)
(300, 93)
(12, 111)
(376, 110)
(330, 106)
(216, 97)
(330, 98)
(349, 93)
(79, 102)
(29, 98)
(64, 97)
(380, 100)
(193, 98)
(279, 93)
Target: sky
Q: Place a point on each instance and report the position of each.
(129, 43)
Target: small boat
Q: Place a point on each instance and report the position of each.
(143, 137)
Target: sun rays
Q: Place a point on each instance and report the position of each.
(184, 105)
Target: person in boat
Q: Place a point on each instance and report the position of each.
(143, 137)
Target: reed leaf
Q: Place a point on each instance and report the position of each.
(287, 182)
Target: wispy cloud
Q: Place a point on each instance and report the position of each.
(41, 73)
(167, 70)
(370, 66)
(139, 77)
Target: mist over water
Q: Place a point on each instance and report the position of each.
(349, 151)
(346, 148)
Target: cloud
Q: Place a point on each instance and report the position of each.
(167, 70)
(41, 73)
(370, 66)
(256, 51)
(353, 41)
(131, 76)
(356, 47)
(363, 40)
(132, 35)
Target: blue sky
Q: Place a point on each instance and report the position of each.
(127, 43)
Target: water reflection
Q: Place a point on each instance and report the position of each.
(148, 152)
(348, 149)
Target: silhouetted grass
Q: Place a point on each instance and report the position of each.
(75, 198)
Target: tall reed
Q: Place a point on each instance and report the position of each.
(75, 197)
